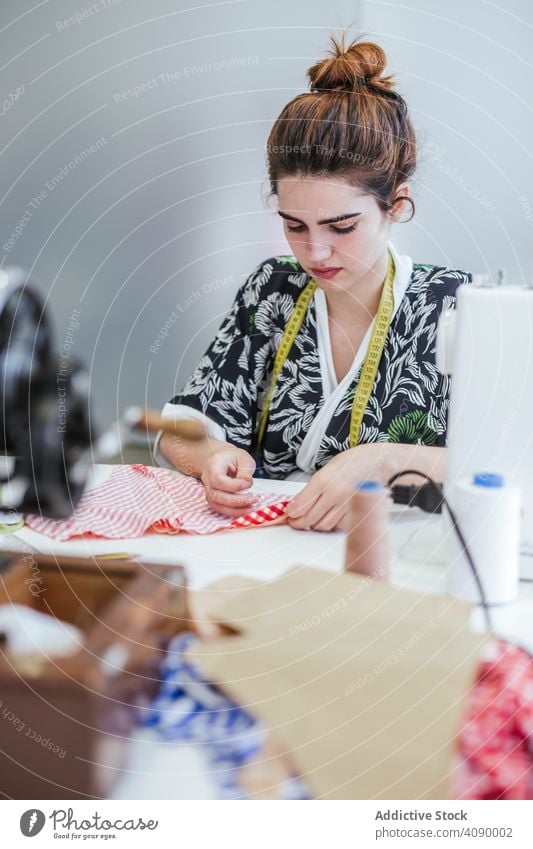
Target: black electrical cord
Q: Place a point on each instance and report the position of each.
(439, 494)
(427, 497)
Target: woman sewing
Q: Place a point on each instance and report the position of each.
(326, 362)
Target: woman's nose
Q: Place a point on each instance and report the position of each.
(318, 251)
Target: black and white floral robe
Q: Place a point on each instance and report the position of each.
(309, 419)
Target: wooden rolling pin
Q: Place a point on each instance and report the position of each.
(113, 440)
(152, 422)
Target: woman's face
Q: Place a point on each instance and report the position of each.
(336, 233)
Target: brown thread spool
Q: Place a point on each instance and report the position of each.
(367, 540)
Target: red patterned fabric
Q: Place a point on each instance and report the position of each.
(138, 498)
(496, 740)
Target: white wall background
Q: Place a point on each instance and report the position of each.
(167, 213)
(466, 70)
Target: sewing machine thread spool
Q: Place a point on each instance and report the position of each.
(367, 541)
(488, 513)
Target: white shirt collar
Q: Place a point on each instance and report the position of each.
(334, 391)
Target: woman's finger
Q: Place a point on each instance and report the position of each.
(223, 474)
(302, 503)
(311, 517)
(220, 480)
(334, 520)
(245, 466)
(229, 503)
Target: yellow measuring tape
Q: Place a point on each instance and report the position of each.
(370, 365)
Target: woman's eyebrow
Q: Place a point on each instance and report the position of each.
(325, 220)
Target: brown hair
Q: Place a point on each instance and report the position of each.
(352, 124)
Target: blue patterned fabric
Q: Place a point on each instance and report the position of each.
(189, 709)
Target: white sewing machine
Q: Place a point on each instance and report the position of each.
(487, 344)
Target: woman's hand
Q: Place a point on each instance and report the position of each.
(226, 476)
(324, 503)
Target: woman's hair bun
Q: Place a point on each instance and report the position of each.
(362, 63)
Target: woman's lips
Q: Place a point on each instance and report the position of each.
(325, 273)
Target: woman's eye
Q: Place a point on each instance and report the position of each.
(344, 229)
(301, 227)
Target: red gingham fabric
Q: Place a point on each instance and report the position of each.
(137, 499)
(496, 738)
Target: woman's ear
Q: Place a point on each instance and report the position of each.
(401, 204)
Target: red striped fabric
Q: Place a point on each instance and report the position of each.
(138, 499)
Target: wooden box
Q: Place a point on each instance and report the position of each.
(64, 722)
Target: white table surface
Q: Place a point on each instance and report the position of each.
(162, 770)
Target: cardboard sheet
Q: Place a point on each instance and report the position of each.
(363, 684)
